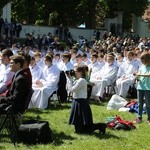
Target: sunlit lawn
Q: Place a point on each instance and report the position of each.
(65, 138)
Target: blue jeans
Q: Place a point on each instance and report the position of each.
(143, 96)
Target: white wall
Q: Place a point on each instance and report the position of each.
(86, 33)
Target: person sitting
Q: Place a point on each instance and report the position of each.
(39, 59)
(20, 87)
(125, 75)
(45, 87)
(6, 74)
(66, 64)
(81, 114)
(36, 71)
(79, 61)
(26, 69)
(94, 67)
(104, 77)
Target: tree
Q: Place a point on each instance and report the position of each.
(129, 8)
(75, 12)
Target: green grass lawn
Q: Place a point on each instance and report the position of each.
(65, 138)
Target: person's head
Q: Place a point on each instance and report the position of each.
(100, 58)
(78, 58)
(48, 60)
(33, 62)
(84, 57)
(16, 63)
(6, 56)
(145, 58)
(57, 57)
(110, 59)
(37, 56)
(27, 58)
(73, 54)
(94, 57)
(66, 57)
(130, 55)
(80, 72)
(35, 48)
(120, 57)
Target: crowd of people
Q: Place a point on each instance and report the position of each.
(97, 64)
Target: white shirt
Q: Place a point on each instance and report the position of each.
(36, 73)
(127, 69)
(50, 76)
(79, 88)
(6, 76)
(95, 68)
(67, 66)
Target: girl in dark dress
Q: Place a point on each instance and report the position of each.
(81, 115)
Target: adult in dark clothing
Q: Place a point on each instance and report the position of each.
(3, 41)
(6, 27)
(18, 29)
(29, 40)
(26, 69)
(81, 114)
(20, 87)
(43, 41)
(1, 24)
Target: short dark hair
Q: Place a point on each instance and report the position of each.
(26, 56)
(82, 70)
(66, 55)
(7, 52)
(48, 58)
(18, 59)
(94, 55)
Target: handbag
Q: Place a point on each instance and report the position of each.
(34, 132)
(132, 92)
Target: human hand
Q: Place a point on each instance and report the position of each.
(39, 83)
(98, 78)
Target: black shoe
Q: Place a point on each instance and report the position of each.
(102, 128)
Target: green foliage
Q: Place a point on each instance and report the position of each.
(65, 138)
(2, 4)
(136, 7)
(73, 12)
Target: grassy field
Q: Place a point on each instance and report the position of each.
(65, 138)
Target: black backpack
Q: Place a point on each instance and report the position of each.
(35, 132)
(62, 92)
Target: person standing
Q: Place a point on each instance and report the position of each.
(143, 86)
(81, 114)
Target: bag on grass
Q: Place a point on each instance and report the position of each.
(35, 131)
(116, 102)
(118, 123)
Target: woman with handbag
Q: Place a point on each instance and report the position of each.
(81, 114)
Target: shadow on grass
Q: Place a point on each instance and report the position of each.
(2, 147)
(105, 136)
(59, 137)
(97, 103)
(58, 107)
(35, 110)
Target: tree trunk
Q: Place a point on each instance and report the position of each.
(91, 19)
(31, 11)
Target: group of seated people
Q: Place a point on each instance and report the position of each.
(102, 70)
